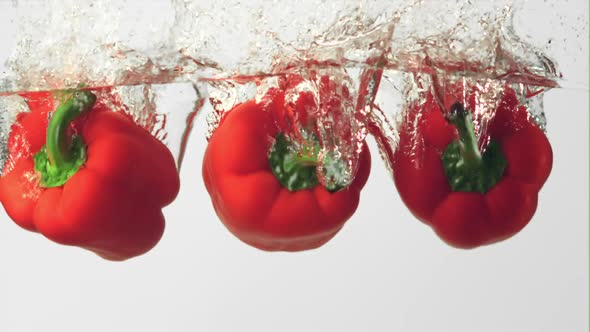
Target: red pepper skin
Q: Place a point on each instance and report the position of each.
(253, 204)
(27, 136)
(112, 205)
(471, 219)
(27, 133)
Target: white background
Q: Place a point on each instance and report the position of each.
(385, 271)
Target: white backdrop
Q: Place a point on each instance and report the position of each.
(385, 271)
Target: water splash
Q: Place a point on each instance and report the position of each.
(234, 52)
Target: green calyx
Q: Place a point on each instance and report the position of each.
(466, 168)
(53, 176)
(62, 156)
(297, 170)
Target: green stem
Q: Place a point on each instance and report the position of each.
(59, 147)
(62, 156)
(462, 120)
(296, 170)
(301, 160)
(466, 168)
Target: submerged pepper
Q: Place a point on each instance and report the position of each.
(89, 177)
(267, 193)
(469, 197)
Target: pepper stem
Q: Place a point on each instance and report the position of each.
(62, 156)
(466, 168)
(463, 122)
(59, 147)
(297, 170)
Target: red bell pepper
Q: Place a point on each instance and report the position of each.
(265, 191)
(92, 179)
(471, 198)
